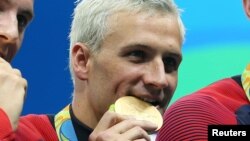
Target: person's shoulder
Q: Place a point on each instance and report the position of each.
(234, 83)
(39, 124)
(36, 121)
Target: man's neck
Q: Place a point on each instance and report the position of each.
(83, 111)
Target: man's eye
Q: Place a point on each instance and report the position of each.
(170, 64)
(22, 22)
(137, 55)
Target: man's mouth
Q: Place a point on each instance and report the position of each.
(153, 102)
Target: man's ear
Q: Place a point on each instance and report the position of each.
(246, 4)
(80, 59)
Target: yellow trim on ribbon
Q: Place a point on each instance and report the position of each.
(246, 81)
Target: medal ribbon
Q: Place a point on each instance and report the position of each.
(64, 127)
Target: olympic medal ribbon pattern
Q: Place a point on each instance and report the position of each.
(245, 78)
(64, 126)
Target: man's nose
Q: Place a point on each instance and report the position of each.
(155, 75)
(9, 32)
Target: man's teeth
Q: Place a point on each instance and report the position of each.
(149, 100)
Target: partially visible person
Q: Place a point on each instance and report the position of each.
(117, 48)
(15, 16)
(225, 102)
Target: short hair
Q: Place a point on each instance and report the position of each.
(90, 19)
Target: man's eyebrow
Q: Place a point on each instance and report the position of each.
(138, 45)
(170, 51)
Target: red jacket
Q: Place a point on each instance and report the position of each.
(30, 128)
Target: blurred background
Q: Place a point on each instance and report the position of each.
(217, 45)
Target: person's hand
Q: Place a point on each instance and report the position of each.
(114, 127)
(12, 91)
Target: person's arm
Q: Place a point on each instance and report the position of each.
(12, 92)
